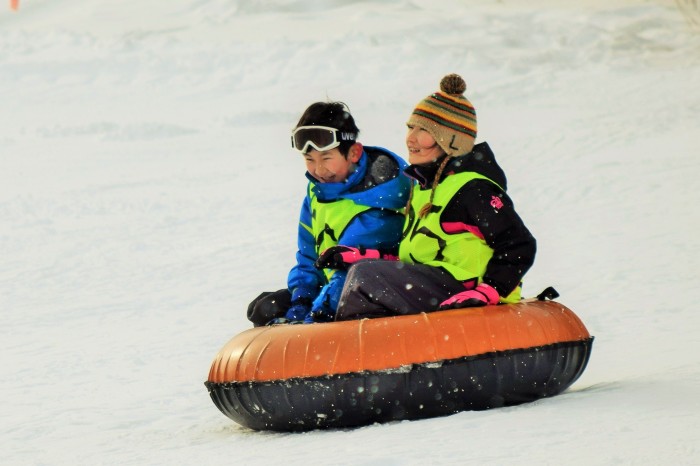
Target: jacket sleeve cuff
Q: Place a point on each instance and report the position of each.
(303, 294)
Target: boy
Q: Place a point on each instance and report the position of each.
(354, 199)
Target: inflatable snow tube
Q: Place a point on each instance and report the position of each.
(344, 374)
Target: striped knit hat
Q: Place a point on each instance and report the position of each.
(448, 116)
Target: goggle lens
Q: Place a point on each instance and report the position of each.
(321, 138)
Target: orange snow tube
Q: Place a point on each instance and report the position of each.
(342, 374)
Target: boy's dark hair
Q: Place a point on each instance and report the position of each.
(334, 114)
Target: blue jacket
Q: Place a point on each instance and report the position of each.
(377, 182)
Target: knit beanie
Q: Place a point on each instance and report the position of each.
(448, 116)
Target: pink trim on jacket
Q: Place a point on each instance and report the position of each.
(459, 227)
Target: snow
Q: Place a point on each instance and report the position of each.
(148, 192)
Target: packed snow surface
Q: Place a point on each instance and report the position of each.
(148, 192)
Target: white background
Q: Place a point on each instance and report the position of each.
(148, 192)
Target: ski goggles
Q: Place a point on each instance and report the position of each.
(321, 138)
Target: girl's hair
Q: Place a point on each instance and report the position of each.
(425, 210)
(334, 114)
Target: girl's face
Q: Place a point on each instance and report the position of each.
(330, 166)
(422, 148)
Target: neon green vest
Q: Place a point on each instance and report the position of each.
(464, 255)
(329, 220)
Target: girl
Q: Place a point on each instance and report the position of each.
(463, 243)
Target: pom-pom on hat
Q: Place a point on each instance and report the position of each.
(448, 116)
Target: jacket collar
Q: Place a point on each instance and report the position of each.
(424, 173)
(331, 191)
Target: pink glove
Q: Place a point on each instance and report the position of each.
(342, 257)
(482, 295)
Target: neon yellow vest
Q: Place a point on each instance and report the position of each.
(464, 255)
(329, 220)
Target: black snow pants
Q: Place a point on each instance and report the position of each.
(380, 288)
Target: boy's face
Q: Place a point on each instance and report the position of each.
(331, 166)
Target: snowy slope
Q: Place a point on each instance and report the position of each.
(148, 193)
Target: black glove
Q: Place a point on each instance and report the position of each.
(269, 305)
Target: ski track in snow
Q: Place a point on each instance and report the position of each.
(148, 193)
